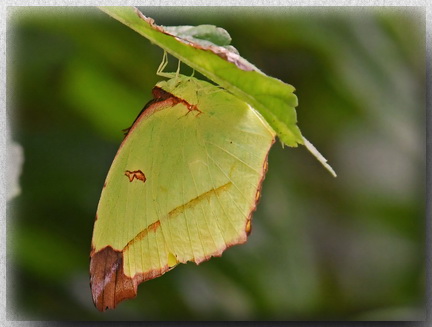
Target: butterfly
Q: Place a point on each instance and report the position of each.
(182, 187)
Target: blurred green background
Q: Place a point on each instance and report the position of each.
(350, 248)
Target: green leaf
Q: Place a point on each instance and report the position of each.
(273, 98)
(203, 34)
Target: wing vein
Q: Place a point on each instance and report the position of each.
(242, 194)
(234, 156)
(202, 209)
(217, 196)
(183, 201)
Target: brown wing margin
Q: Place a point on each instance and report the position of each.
(108, 282)
(158, 96)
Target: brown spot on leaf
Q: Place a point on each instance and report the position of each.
(136, 174)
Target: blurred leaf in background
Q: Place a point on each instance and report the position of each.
(350, 248)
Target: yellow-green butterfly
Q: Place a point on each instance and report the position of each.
(182, 187)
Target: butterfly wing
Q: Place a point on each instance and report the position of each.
(181, 188)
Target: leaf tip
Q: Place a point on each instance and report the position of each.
(311, 148)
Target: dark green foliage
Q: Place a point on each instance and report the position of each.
(350, 248)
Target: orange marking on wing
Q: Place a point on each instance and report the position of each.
(248, 226)
(189, 107)
(137, 174)
(190, 204)
(175, 212)
(150, 228)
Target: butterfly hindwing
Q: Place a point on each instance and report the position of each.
(182, 187)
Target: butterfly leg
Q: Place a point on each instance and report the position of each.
(162, 66)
